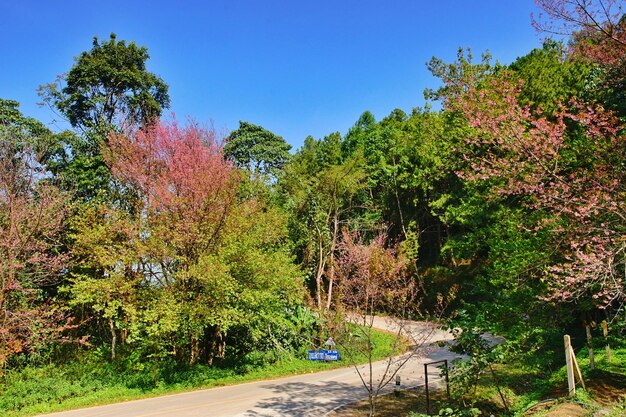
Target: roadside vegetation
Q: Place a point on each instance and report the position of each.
(530, 390)
(140, 255)
(94, 380)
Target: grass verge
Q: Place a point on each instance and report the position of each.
(529, 390)
(91, 381)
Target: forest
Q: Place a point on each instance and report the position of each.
(140, 244)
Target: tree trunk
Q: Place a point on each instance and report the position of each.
(221, 346)
(217, 347)
(194, 349)
(113, 338)
(395, 190)
(331, 259)
(321, 265)
(8, 280)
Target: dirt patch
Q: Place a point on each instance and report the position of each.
(606, 387)
(567, 410)
(402, 403)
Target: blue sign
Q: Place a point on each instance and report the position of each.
(324, 355)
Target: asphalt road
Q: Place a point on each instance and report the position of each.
(308, 395)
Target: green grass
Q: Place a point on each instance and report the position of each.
(524, 383)
(91, 381)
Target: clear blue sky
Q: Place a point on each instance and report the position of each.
(295, 67)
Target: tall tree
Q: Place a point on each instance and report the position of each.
(597, 31)
(550, 77)
(256, 149)
(108, 85)
(192, 260)
(323, 190)
(106, 89)
(566, 164)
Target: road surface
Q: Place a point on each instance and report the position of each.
(308, 395)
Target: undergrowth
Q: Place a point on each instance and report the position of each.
(524, 383)
(90, 380)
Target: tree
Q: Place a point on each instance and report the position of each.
(362, 131)
(186, 193)
(109, 267)
(410, 169)
(550, 77)
(256, 149)
(323, 189)
(597, 29)
(590, 270)
(564, 164)
(32, 214)
(10, 115)
(192, 261)
(106, 89)
(495, 246)
(376, 279)
(568, 17)
(108, 85)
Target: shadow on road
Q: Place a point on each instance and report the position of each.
(299, 399)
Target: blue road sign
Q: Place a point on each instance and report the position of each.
(324, 355)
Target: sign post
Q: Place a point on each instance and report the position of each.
(571, 384)
(445, 369)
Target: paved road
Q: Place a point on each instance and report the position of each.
(309, 395)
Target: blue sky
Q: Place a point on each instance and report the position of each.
(297, 68)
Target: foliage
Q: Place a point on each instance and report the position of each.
(542, 161)
(466, 373)
(598, 37)
(550, 78)
(108, 85)
(190, 263)
(256, 149)
(10, 115)
(32, 213)
(184, 250)
(323, 192)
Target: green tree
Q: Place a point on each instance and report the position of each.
(107, 88)
(323, 191)
(256, 149)
(108, 85)
(192, 263)
(363, 130)
(487, 244)
(10, 115)
(550, 77)
(110, 265)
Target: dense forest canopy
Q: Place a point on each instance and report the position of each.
(139, 236)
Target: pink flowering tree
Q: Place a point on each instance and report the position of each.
(184, 258)
(32, 214)
(568, 17)
(185, 187)
(597, 32)
(375, 284)
(566, 164)
(185, 194)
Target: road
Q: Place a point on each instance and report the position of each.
(308, 395)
